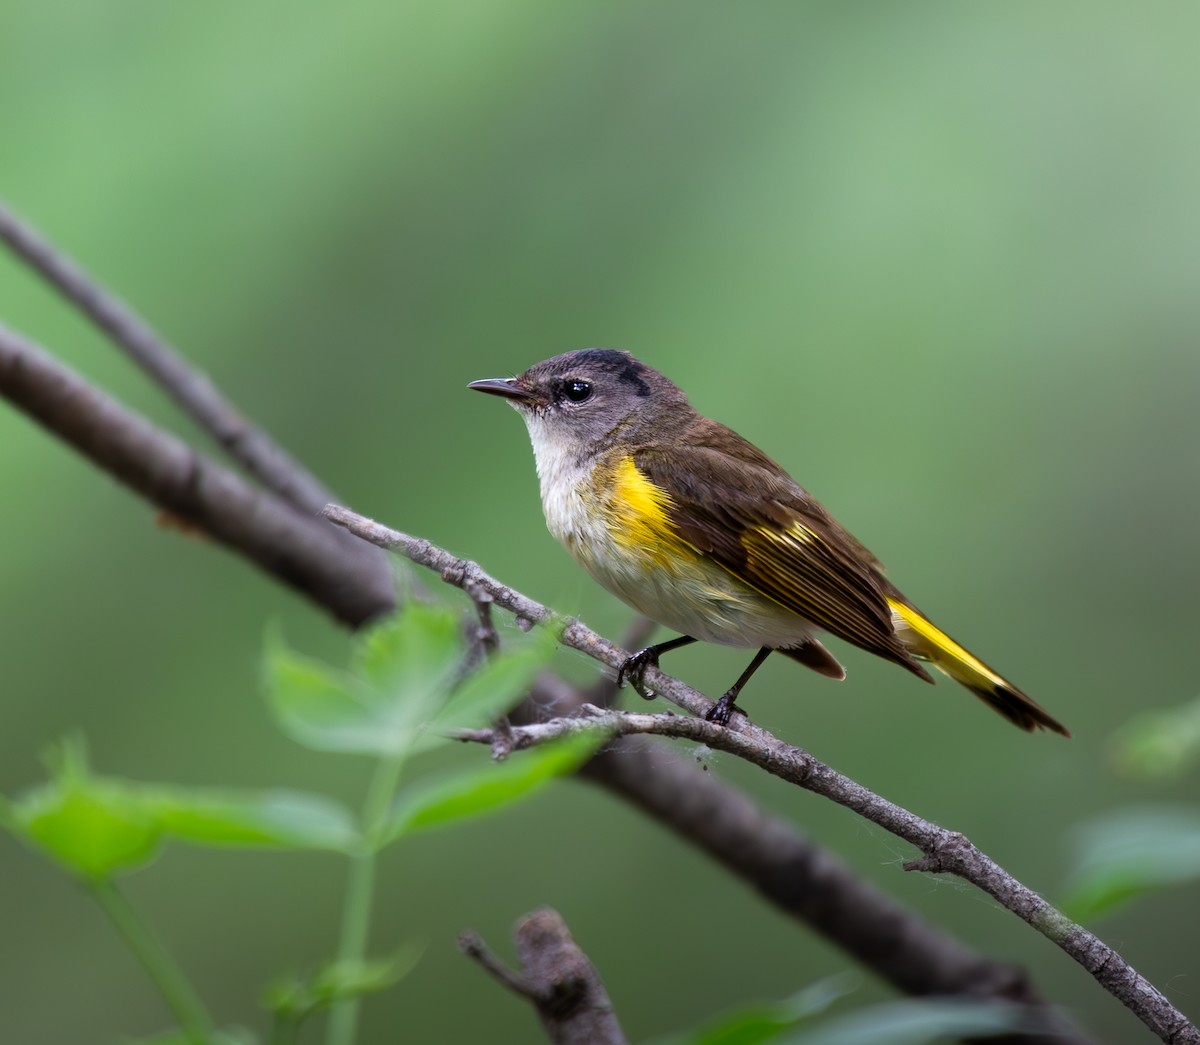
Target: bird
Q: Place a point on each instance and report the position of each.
(698, 529)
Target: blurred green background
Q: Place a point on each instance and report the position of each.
(938, 259)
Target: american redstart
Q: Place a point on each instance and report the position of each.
(701, 531)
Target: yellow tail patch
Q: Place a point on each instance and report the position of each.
(927, 641)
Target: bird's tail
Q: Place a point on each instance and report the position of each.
(927, 642)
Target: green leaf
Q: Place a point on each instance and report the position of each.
(494, 688)
(402, 672)
(412, 654)
(317, 706)
(341, 980)
(1160, 743)
(270, 819)
(97, 826)
(1130, 852)
(765, 1022)
(92, 826)
(296, 999)
(478, 791)
(913, 1022)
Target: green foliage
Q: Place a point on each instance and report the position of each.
(98, 827)
(492, 689)
(463, 795)
(1132, 851)
(293, 1000)
(402, 670)
(406, 686)
(92, 826)
(914, 1021)
(267, 820)
(1160, 744)
(764, 1022)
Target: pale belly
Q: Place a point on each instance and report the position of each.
(681, 590)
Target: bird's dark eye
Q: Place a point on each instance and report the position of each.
(577, 391)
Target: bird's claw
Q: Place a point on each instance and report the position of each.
(633, 671)
(722, 711)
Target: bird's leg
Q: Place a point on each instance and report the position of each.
(721, 711)
(634, 668)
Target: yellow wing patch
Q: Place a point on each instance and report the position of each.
(638, 516)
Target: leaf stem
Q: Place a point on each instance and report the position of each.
(356, 914)
(170, 980)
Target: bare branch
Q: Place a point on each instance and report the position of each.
(195, 393)
(220, 504)
(192, 390)
(557, 977)
(785, 867)
(797, 875)
(945, 851)
(298, 549)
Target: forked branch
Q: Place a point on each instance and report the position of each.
(943, 851)
(557, 977)
(191, 388)
(264, 525)
(798, 876)
(296, 547)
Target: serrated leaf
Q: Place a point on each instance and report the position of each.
(93, 826)
(402, 672)
(914, 1021)
(477, 791)
(415, 652)
(330, 711)
(317, 706)
(94, 832)
(1130, 852)
(493, 689)
(269, 819)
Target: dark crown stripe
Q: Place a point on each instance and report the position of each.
(621, 364)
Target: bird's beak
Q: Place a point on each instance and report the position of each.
(508, 387)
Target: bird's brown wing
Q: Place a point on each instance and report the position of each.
(733, 503)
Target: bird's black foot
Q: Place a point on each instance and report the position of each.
(722, 711)
(633, 671)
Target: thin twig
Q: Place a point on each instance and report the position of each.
(557, 977)
(944, 851)
(297, 548)
(473, 946)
